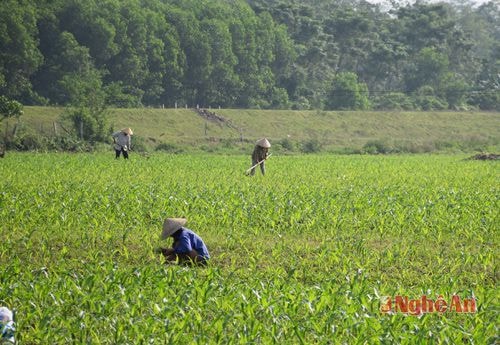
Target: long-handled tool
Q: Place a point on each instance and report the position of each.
(256, 165)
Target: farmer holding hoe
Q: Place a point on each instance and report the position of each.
(187, 248)
(259, 155)
(122, 142)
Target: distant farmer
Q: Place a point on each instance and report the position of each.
(187, 247)
(122, 142)
(259, 155)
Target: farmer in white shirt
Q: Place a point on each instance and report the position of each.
(122, 142)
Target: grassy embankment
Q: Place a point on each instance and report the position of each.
(333, 131)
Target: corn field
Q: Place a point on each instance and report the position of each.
(302, 255)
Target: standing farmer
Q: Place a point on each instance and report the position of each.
(260, 154)
(188, 247)
(122, 142)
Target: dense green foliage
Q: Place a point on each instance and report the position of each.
(301, 255)
(250, 54)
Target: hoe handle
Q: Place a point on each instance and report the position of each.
(259, 163)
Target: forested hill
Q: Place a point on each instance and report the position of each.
(288, 54)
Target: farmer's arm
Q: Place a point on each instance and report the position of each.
(263, 154)
(115, 135)
(266, 152)
(167, 251)
(184, 250)
(189, 256)
(193, 254)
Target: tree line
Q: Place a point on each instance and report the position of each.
(292, 54)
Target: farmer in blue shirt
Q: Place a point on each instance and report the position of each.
(188, 247)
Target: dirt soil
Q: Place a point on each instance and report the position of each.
(485, 157)
(213, 117)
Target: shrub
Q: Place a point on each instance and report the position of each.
(347, 93)
(24, 139)
(67, 143)
(287, 144)
(311, 146)
(426, 99)
(431, 103)
(376, 146)
(393, 101)
(29, 142)
(139, 144)
(170, 148)
(302, 103)
(88, 123)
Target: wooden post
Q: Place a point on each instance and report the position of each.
(55, 128)
(6, 136)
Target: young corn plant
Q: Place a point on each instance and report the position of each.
(305, 254)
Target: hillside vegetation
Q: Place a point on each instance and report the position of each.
(301, 59)
(233, 130)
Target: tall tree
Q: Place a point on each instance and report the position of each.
(247, 53)
(19, 54)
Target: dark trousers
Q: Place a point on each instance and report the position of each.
(125, 153)
(262, 168)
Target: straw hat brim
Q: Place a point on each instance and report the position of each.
(264, 143)
(6, 315)
(171, 225)
(128, 131)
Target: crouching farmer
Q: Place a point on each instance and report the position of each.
(187, 247)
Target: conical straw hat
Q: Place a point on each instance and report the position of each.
(5, 315)
(264, 143)
(128, 131)
(171, 225)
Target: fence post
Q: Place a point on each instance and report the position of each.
(6, 135)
